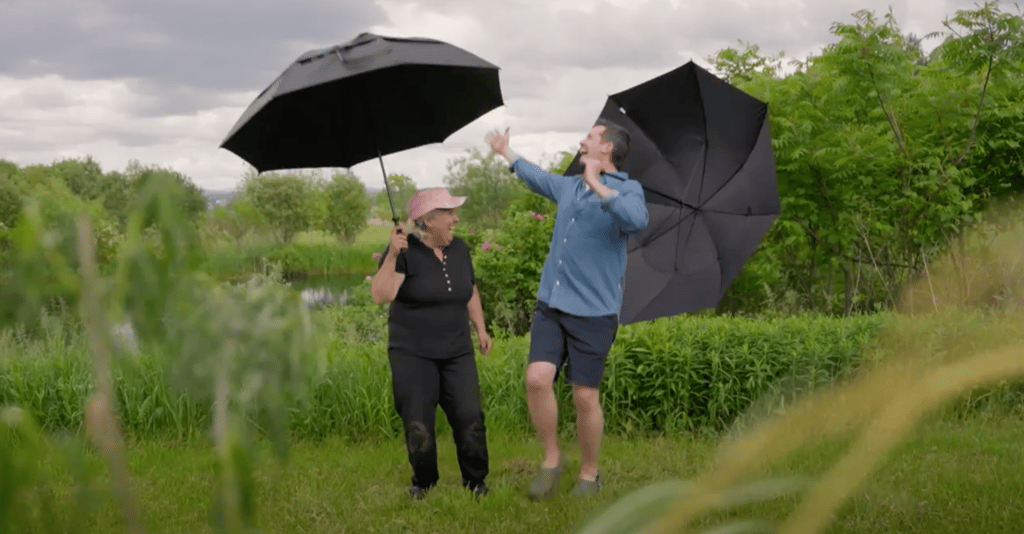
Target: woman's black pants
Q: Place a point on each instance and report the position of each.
(419, 385)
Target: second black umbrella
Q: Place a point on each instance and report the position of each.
(702, 151)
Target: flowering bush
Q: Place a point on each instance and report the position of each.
(508, 261)
(360, 320)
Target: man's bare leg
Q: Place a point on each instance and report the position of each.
(540, 398)
(589, 427)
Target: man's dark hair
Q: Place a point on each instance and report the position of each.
(618, 137)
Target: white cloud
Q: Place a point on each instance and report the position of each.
(79, 118)
(163, 82)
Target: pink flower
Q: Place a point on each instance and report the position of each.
(538, 216)
(368, 277)
(472, 231)
(486, 246)
(377, 255)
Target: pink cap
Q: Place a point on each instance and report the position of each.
(430, 199)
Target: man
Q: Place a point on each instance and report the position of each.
(580, 292)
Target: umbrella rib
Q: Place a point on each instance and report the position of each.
(704, 164)
(662, 234)
(689, 234)
(726, 182)
(718, 257)
(751, 214)
(668, 198)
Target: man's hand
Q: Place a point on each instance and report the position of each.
(499, 143)
(592, 168)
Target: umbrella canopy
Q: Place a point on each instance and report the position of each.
(702, 151)
(372, 96)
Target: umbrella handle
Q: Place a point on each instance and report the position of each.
(399, 231)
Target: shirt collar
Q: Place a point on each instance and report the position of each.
(412, 237)
(604, 180)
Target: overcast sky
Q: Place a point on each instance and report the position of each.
(163, 82)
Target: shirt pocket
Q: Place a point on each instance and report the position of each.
(598, 222)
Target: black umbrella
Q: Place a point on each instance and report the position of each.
(702, 151)
(371, 96)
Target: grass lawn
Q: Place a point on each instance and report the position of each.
(375, 234)
(952, 478)
(323, 254)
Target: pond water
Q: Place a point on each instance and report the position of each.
(339, 282)
(322, 291)
(315, 291)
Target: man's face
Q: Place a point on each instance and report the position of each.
(593, 144)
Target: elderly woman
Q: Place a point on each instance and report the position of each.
(428, 278)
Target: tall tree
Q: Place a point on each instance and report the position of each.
(402, 190)
(283, 202)
(882, 159)
(193, 200)
(236, 220)
(348, 206)
(485, 179)
(10, 203)
(741, 66)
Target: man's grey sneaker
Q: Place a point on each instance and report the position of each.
(586, 488)
(544, 484)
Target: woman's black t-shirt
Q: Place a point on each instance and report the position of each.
(429, 316)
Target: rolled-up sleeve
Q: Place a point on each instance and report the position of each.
(538, 180)
(628, 208)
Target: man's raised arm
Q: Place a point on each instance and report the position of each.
(537, 179)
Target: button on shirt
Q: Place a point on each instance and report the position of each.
(585, 270)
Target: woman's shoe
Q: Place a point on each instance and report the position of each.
(417, 493)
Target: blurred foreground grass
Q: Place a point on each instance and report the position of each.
(951, 478)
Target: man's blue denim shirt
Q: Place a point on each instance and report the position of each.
(585, 270)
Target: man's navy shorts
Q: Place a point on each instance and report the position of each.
(581, 344)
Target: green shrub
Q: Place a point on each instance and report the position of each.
(681, 374)
(295, 260)
(311, 258)
(360, 321)
(690, 373)
(509, 260)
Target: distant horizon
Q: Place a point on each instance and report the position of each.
(220, 197)
(231, 191)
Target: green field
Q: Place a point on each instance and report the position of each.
(313, 253)
(677, 390)
(951, 478)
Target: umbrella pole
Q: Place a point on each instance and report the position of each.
(380, 158)
(394, 217)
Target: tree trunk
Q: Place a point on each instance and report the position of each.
(847, 290)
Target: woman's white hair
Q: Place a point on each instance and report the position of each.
(418, 226)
